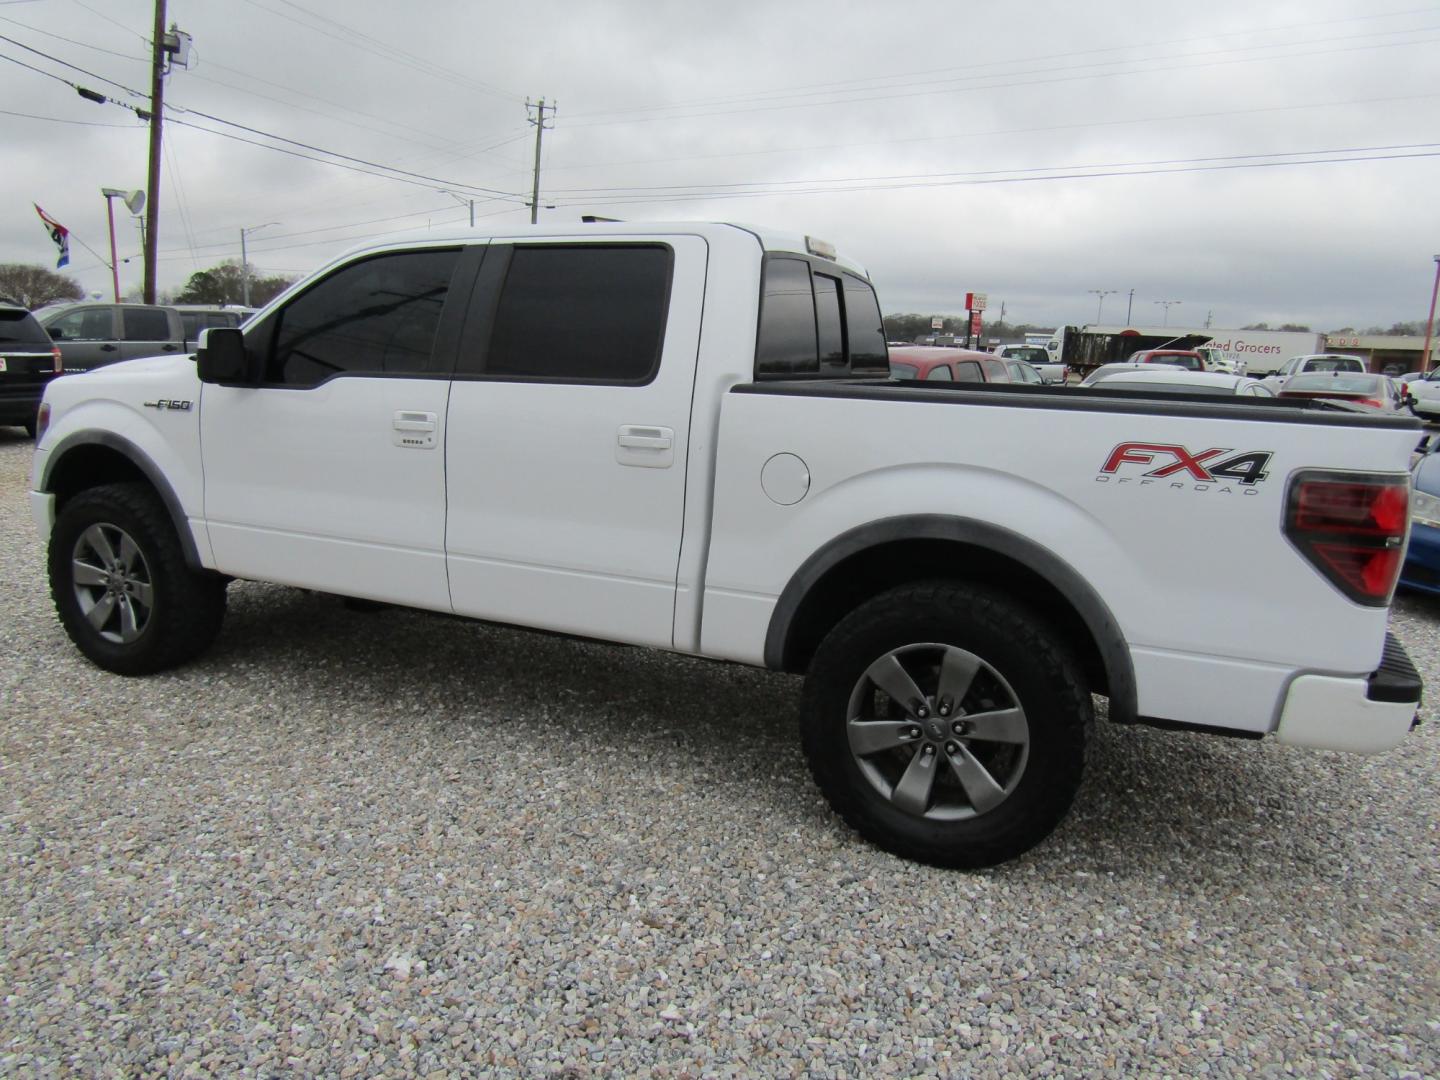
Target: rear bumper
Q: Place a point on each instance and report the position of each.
(1360, 715)
(18, 402)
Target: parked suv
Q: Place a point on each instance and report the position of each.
(91, 335)
(28, 360)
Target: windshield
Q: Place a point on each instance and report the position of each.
(19, 327)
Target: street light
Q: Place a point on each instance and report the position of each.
(1430, 322)
(134, 202)
(1102, 293)
(244, 263)
(463, 202)
(1167, 305)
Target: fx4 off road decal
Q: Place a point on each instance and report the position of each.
(1168, 465)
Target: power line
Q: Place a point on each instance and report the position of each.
(933, 89)
(692, 196)
(429, 181)
(868, 180)
(382, 49)
(59, 120)
(953, 136)
(860, 84)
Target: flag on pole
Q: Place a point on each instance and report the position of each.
(58, 233)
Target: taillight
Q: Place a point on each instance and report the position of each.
(1374, 403)
(1351, 528)
(57, 360)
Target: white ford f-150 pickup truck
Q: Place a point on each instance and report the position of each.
(684, 436)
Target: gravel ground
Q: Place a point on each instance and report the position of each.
(390, 844)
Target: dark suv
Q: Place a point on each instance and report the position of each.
(28, 360)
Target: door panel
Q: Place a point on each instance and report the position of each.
(566, 499)
(308, 487)
(332, 476)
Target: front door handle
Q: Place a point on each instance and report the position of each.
(108, 348)
(414, 430)
(646, 438)
(414, 421)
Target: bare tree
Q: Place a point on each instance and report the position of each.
(35, 286)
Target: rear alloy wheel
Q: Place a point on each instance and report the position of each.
(947, 724)
(122, 587)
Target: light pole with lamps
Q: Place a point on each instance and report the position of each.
(1430, 322)
(1167, 305)
(244, 263)
(1101, 293)
(134, 202)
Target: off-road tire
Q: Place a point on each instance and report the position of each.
(1019, 653)
(186, 608)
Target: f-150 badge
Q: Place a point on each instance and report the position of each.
(1166, 460)
(168, 403)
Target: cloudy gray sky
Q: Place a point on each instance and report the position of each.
(1032, 150)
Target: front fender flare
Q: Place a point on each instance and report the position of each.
(142, 461)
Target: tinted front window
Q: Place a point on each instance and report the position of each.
(90, 324)
(377, 316)
(21, 328)
(142, 324)
(864, 326)
(787, 343)
(903, 371)
(968, 371)
(940, 373)
(586, 313)
(828, 319)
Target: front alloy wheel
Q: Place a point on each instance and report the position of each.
(112, 582)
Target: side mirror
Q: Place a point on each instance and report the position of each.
(222, 358)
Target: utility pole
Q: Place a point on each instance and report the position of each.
(157, 104)
(1430, 322)
(1129, 307)
(539, 121)
(245, 263)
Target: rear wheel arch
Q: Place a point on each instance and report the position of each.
(89, 459)
(881, 555)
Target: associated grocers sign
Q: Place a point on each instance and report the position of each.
(1264, 350)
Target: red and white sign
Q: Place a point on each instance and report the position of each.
(975, 323)
(975, 301)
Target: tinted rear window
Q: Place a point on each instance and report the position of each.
(1031, 354)
(814, 320)
(141, 324)
(21, 328)
(1334, 363)
(1335, 384)
(588, 313)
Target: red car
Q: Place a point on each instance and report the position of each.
(1186, 358)
(931, 364)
